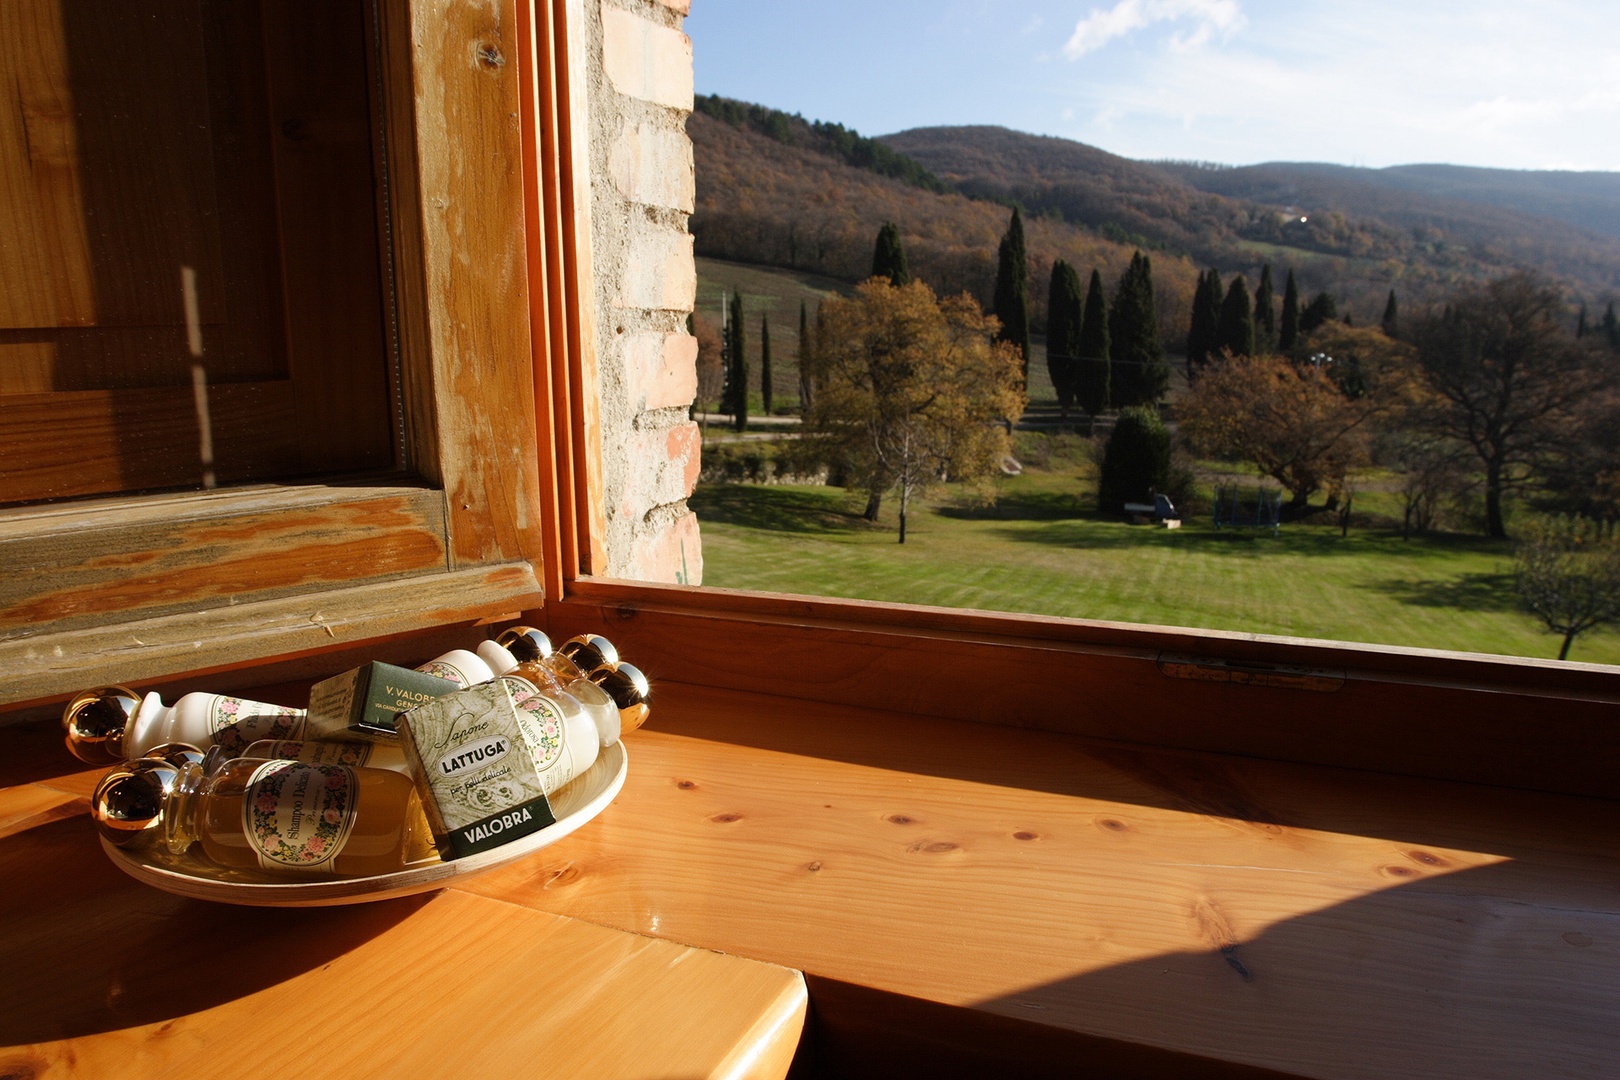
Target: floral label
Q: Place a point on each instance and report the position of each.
(441, 670)
(353, 754)
(542, 725)
(234, 723)
(299, 815)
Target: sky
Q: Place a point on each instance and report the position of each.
(1516, 84)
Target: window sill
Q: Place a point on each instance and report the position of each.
(136, 589)
(973, 897)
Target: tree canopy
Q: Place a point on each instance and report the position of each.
(1291, 421)
(1138, 375)
(1235, 331)
(1505, 374)
(1566, 571)
(1012, 289)
(888, 257)
(1065, 317)
(1092, 383)
(912, 390)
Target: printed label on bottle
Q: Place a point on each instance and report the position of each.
(299, 815)
(442, 670)
(542, 725)
(234, 723)
(352, 754)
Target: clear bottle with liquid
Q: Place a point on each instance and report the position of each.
(371, 755)
(268, 815)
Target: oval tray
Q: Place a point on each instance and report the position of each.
(193, 876)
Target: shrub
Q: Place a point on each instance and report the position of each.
(1136, 462)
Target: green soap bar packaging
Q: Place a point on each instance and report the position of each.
(365, 703)
(474, 770)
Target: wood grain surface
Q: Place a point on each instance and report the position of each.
(1313, 921)
(1541, 725)
(106, 976)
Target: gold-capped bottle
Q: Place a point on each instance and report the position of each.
(273, 815)
(525, 645)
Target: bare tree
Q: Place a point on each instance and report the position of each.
(711, 371)
(1566, 571)
(1505, 375)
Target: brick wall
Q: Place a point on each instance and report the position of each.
(639, 93)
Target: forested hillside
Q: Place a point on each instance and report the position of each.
(763, 201)
(775, 189)
(1346, 232)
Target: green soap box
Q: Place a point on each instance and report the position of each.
(474, 770)
(365, 703)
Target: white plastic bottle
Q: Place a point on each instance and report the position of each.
(566, 726)
(459, 666)
(113, 723)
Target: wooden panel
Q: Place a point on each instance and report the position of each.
(1317, 922)
(390, 985)
(54, 665)
(1520, 723)
(79, 569)
(106, 162)
(474, 281)
(90, 442)
(326, 205)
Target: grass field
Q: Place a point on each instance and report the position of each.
(1042, 550)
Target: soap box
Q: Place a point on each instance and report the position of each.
(365, 702)
(479, 785)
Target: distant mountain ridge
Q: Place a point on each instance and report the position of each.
(1442, 224)
(775, 189)
(1586, 200)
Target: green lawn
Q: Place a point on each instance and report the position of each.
(1042, 550)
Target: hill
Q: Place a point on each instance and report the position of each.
(790, 205)
(1354, 232)
(778, 190)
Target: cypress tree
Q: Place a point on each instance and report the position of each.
(1092, 380)
(1138, 375)
(1136, 461)
(1580, 324)
(737, 383)
(804, 359)
(1265, 313)
(1288, 329)
(889, 258)
(1236, 334)
(1391, 322)
(765, 363)
(1322, 309)
(1012, 289)
(1201, 331)
(1064, 317)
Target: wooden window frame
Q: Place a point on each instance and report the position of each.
(132, 589)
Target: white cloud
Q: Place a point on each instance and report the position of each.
(1381, 82)
(1104, 25)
